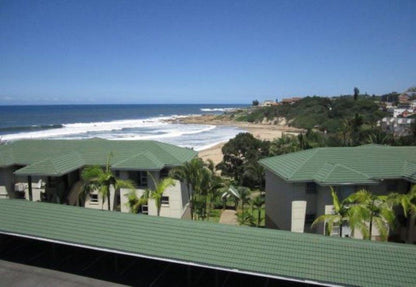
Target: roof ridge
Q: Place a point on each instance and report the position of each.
(163, 147)
(328, 173)
(313, 153)
(353, 170)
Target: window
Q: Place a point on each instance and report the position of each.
(164, 173)
(139, 178)
(143, 178)
(310, 187)
(145, 209)
(93, 198)
(165, 200)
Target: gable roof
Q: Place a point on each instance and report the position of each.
(54, 166)
(345, 165)
(52, 157)
(256, 251)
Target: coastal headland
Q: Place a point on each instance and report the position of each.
(263, 131)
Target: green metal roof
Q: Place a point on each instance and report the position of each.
(54, 166)
(48, 157)
(345, 165)
(266, 252)
(144, 160)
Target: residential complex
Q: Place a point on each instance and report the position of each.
(50, 170)
(298, 184)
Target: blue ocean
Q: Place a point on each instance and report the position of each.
(115, 122)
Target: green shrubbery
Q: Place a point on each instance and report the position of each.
(317, 112)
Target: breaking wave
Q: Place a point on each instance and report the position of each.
(159, 128)
(217, 109)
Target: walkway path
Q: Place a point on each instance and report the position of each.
(229, 217)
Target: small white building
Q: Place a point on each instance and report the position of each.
(399, 111)
(396, 126)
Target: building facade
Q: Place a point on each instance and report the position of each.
(50, 171)
(306, 177)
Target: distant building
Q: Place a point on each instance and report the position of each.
(268, 103)
(290, 101)
(398, 112)
(396, 126)
(404, 98)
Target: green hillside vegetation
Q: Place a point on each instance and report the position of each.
(318, 112)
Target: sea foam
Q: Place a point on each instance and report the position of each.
(155, 128)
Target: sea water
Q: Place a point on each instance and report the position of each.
(115, 122)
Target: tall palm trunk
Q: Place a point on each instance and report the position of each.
(371, 220)
(207, 206)
(258, 216)
(190, 198)
(108, 198)
(371, 227)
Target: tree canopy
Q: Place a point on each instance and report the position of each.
(240, 159)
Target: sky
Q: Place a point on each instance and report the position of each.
(154, 52)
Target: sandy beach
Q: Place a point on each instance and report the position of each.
(260, 131)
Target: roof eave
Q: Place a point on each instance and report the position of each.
(171, 260)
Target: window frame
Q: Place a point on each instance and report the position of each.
(164, 200)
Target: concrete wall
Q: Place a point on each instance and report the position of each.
(7, 183)
(177, 194)
(102, 202)
(280, 195)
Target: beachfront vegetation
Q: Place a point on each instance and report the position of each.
(325, 114)
(203, 186)
(240, 162)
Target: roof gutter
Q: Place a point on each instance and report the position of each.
(188, 263)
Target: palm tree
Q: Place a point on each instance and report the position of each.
(356, 93)
(258, 202)
(157, 192)
(134, 202)
(210, 183)
(376, 210)
(407, 202)
(95, 177)
(339, 217)
(244, 196)
(190, 174)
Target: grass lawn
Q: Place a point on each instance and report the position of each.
(215, 215)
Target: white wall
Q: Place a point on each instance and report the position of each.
(177, 194)
(6, 183)
(102, 202)
(279, 197)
